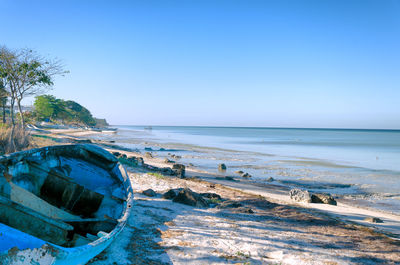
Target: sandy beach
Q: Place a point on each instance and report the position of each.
(251, 224)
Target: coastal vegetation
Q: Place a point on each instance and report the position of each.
(25, 73)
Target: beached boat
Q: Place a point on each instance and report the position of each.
(61, 204)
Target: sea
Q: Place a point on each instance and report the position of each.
(353, 164)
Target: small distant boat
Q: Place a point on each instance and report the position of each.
(61, 204)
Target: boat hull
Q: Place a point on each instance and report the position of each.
(19, 247)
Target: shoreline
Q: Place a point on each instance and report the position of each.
(197, 180)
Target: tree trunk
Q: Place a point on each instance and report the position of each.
(21, 114)
(3, 103)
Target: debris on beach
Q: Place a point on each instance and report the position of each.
(222, 167)
(299, 195)
(188, 197)
(373, 220)
(323, 198)
(149, 193)
(246, 175)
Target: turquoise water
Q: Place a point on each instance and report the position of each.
(357, 164)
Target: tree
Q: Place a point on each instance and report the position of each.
(26, 74)
(3, 99)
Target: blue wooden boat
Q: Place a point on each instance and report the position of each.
(61, 204)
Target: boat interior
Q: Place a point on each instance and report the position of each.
(68, 196)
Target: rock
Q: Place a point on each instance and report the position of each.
(270, 179)
(221, 167)
(148, 149)
(148, 155)
(124, 156)
(166, 160)
(172, 193)
(210, 195)
(246, 175)
(373, 220)
(116, 154)
(230, 178)
(188, 197)
(140, 161)
(167, 171)
(299, 195)
(229, 204)
(190, 165)
(323, 198)
(244, 210)
(239, 172)
(179, 170)
(150, 193)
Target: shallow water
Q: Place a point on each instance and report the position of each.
(360, 164)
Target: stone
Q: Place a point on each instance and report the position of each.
(167, 171)
(373, 220)
(246, 175)
(171, 194)
(244, 210)
(270, 179)
(179, 170)
(323, 198)
(229, 178)
(210, 195)
(221, 167)
(116, 154)
(148, 155)
(166, 160)
(188, 197)
(150, 193)
(239, 172)
(299, 195)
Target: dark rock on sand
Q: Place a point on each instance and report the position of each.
(210, 195)
(166, 160)
(150, 193)
(172, 193)
(323, 198)
(221, 167)
(188, 197)
(230, 178)
(373, 220)
(239, 172)
(244, 210)
(299, 195)
(116, 154)
(246, 175)
(179, 170)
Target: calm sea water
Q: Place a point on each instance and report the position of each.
(353, 163)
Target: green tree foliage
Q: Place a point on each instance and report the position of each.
(54, 109)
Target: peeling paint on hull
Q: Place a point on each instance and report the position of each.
(21, 247)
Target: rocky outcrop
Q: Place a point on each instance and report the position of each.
(149, 193)
(299, 195)
(222, 167)
(188, 197)
(323, 198)
(179, 170)
(210, 195)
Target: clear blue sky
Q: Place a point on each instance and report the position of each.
(232, 63)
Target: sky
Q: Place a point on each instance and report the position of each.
(325, 64)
